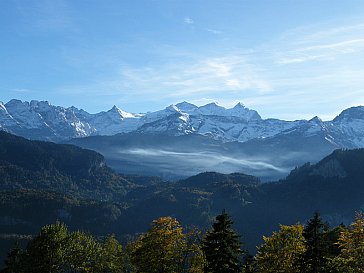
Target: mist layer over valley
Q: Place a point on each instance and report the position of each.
(184, 139)
(175, 157)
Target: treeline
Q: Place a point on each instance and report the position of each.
(169, 248)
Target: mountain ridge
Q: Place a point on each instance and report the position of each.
(231, 140)
(44, 121)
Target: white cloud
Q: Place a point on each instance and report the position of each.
(213, 31)
(206, 159)
(313, 44)
(292, 77)
(188, 20)
(204, 76)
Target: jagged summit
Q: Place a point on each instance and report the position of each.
(35, 103)
(239, 110)
(114, 108)
(239, 104)
(120, 112)
(173, 108)
(316, 119)
(42, 120)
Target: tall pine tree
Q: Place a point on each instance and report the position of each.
(317, 245)
(222, 247)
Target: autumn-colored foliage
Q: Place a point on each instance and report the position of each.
(169, 248)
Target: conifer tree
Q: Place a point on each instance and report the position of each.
(332, 238)
(317, 245)
(222, 247)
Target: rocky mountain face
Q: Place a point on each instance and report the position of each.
(41, 120)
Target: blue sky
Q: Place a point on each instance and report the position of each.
(287, 59)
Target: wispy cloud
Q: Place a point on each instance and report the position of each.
(210, 75)
(207, 160)
(291, 75)
(327, 33)
(213, 31)
(321, 45)
(322, 51)
(188, 20)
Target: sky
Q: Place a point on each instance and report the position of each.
(288, 59)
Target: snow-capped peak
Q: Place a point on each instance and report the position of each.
(42, 120)
(187, 107)
(211, 105)
(161, 114)
(173, 108)
(212, 109)
(120, 112)
(239, 110)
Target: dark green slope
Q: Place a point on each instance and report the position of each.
(61, 168)
(194, 201)
(24, 212)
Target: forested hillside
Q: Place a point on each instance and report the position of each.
(44, 182)
(55, 167)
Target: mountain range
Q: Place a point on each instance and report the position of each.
(184, 139)
(41, 120)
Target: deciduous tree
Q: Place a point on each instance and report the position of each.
(351, 244)
(280, 253)
(161, 249)
(46, 252)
